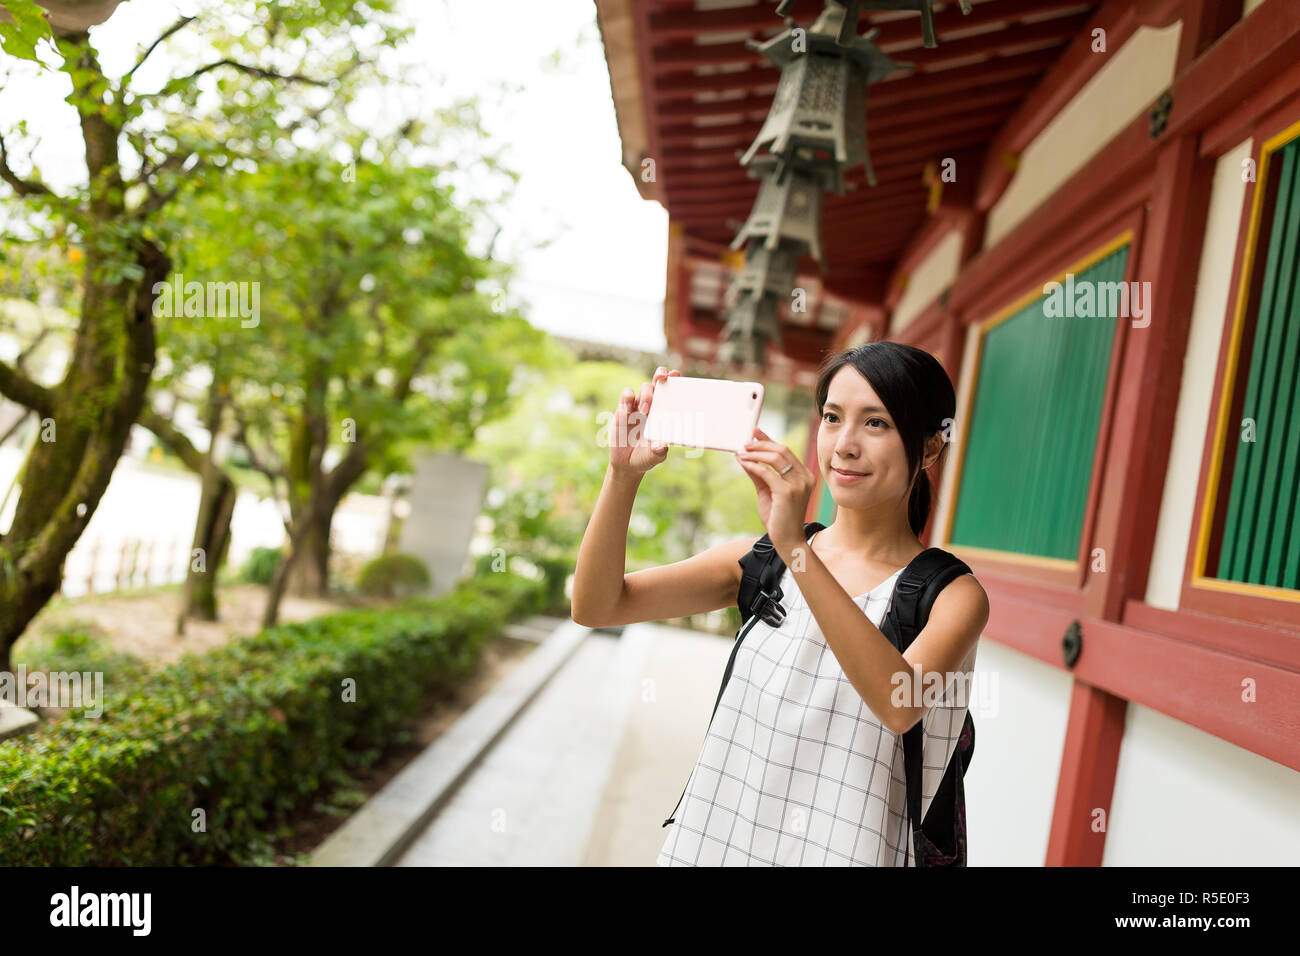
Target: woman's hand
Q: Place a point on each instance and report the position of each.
(629, 451)
(782, 498)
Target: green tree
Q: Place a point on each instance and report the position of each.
(272, 68)
(548, 462)
(374, 334)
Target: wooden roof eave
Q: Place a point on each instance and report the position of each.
(616, 22)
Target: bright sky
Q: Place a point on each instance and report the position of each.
(600, 277)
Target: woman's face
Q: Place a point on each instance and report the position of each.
(857, 434)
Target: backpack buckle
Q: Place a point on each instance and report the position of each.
(768, 607)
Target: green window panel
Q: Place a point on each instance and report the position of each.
(825, 506)
(1032, 426)
(1261, 530)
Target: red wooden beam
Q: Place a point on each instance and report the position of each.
(701, 202)
(938, 145)
(758, 80)
(962, 80)
(685, 57)
(1074, 68)
(641, 34)
(1262, 45)
(687, 24)
(678, 57)
(1013, 37)
(687, 109)
(940, 111)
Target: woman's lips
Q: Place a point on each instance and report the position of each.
(848, 477)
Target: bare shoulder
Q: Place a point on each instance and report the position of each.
(964, 597)
(730, 552)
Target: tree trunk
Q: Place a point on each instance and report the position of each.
(309, 575)
(92, 415)
(212, 535)
(289, 556)
(279, 578)
(103, 389)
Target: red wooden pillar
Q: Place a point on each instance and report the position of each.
(1137, 451)
(1081, 813)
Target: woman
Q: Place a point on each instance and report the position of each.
(803, 761)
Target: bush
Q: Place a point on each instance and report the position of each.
(78, 646)
(554, 577)
(394, 576)
(247, 734)
(260, 565)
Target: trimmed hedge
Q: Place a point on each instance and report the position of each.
(393, 576)
(245, 733)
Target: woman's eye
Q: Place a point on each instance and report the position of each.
(824, 414)
(880, 420)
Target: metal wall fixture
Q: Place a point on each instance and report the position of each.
(1072, 644)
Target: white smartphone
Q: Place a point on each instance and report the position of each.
(704, 412)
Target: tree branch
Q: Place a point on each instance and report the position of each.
(23, 187)
(173, 438)
(178, 25)
(241, 435)
(13, 429)
(243, 68)
(21, 389)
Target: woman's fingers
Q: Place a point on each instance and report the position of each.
(776, 459)
(762, 477)
(660, 374)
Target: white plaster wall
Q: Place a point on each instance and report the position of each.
(1020, 708)
(1213, 286)
(1187, 798)
(934, 273)
(1134, 76)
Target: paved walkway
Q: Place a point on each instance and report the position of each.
(589, 770)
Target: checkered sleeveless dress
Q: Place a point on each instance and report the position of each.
(795, 769)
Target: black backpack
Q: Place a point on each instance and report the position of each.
(941, 839)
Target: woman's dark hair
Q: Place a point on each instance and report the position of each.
(918, 396)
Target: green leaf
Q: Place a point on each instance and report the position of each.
(19, 35)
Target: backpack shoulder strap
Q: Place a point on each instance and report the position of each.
(909, 608)
(761, 572)
(914, 595)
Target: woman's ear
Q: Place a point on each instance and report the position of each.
(933, 450)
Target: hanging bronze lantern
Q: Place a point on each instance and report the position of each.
(752, 322)
(819, 113)
(766, 270)
(788, 208)
(853, 10)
